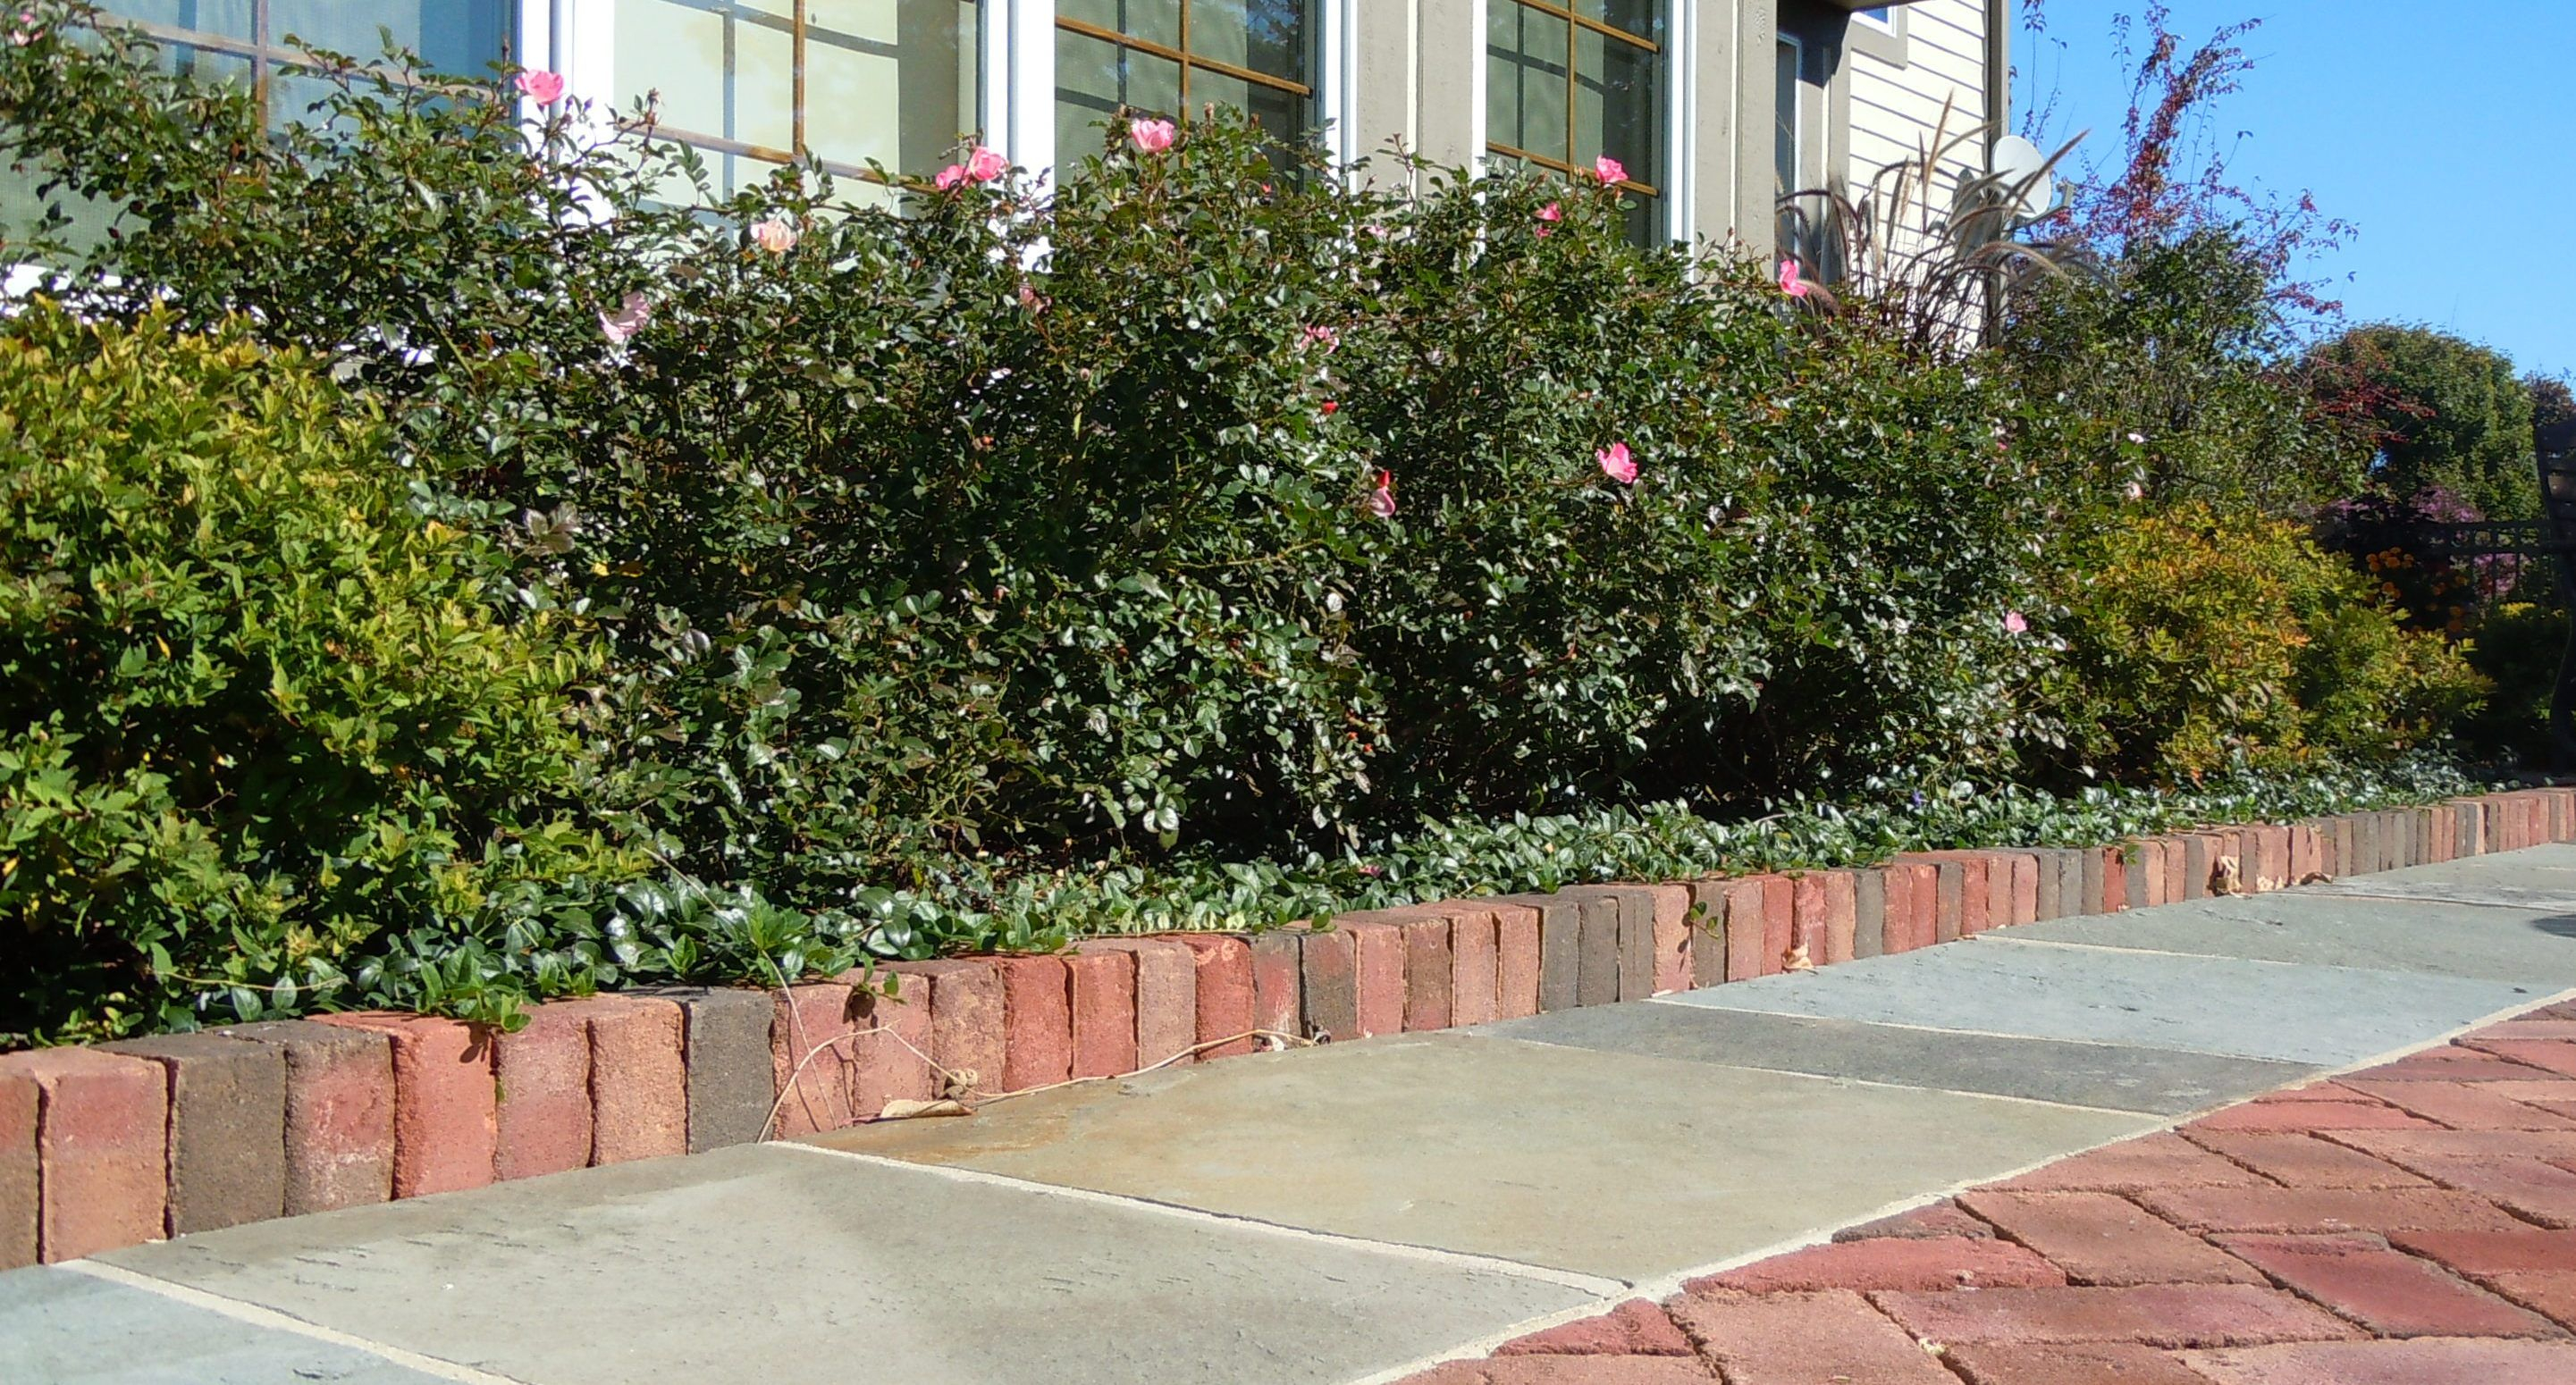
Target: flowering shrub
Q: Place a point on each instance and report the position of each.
(1024, 561)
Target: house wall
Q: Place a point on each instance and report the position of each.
(1898, 86)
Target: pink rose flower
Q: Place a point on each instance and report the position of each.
(544, 88)
(1551, 214)
(1790, 283)
(628, 320)
(949, 177)
(774, 235)
(1610, 170)
(1381, 502)
(1617, 463)
(1324, 337)
(984, 165)
(1152, 136)
(2014, 623)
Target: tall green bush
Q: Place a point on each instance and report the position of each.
(255, 711)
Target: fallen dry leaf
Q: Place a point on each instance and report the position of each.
(903, 1110)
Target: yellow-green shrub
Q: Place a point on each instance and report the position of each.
(2195, 638)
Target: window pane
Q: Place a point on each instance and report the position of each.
(1094, 78)
(451, 37)
(1785, 164)
(1267, 36)
(224, 18)
(894, 83)
(1281, 113)
(1155, 21)
(1618, 106)
(1644, 18)
(1525, 80)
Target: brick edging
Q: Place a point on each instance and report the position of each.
(126, 1142)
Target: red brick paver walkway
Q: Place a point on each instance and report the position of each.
(2414, 1224)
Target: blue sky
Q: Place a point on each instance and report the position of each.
(2446, 133)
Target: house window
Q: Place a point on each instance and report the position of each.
(246, 40)
(752, 82)
(1169, 57)
(1568, 83)
(1798, 146)
(1884, 16)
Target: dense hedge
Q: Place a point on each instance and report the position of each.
(1158, 550)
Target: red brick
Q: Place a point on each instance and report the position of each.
(1380, 960)
(2156, 1315)
(889, 1048)
(20, 1207)
(2115, 881)
(1426, 974)
(1565, 1370)
(2550, 1293)
(2070, 1363)
(2324, 1209)
(2304, 1161)
(1037, 1017)
(1167, 995)
(1516, 961)
(2427, 1362)
(2390, 1293)
(1803, 1339)
(339, 1112)
(2274, 844)
(1913, 889)
(1977, 911)
(2540, 1192)
(2405, 1147)
(444, 1110)
(102, 1148)
(2150, 1161)
(2304, 861)
(1747, 932)
(1103, 990)
(1673, 942)
(811, 1045)
(1807, 916)
(2301, 1116)
(1779, 920)
(2452, 1064)
(541, 1112)
(2461, 1105)
(1222, 987)
(1891, 1262)
(1941, 1219)
(1278, 981)
(2559, 1058)
(2099, 1238)
(2314, 1091)
(967, 1009)
(1474, 963)
(2481, 1253)
(2025, 888)
(2530, 1028)
(1634, 1328)
(2151, 870)
(639, 1078)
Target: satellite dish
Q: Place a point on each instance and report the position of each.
(2022, 175)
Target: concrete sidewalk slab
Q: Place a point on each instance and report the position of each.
(789, 1266)
(2484, 942)
(2540, 877)
(1604, 1163)
(62, 1327)
(2111, 1077)
(2327, 1016)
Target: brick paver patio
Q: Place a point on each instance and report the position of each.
(2411, 1224)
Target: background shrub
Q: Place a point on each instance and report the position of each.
(2196, 638)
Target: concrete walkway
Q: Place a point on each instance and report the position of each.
(1351, 1214)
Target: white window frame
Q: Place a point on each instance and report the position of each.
(1886, 24)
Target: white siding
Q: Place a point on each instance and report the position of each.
(1897, 110)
